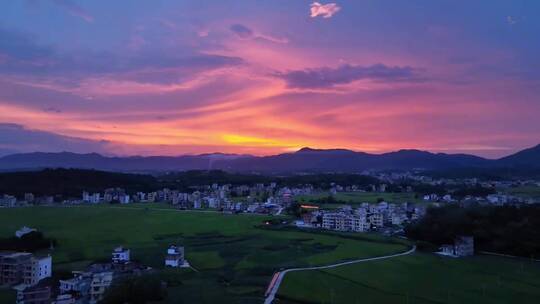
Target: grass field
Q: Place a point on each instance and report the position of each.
(525, 191)
(419, 278)
(354, 198)
(234, 258)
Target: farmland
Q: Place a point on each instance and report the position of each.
(355, 198)
(418, 278)
(232, 256)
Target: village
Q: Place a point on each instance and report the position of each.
(30, 275)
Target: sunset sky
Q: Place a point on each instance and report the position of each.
(158, 77)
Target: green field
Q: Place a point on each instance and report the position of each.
(418, 278)
(525, 192)
(234, 258)
(355, 198)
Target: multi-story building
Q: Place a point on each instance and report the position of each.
(377, 220)
(36, 294)
(99, 284)
(23, 267)
(37, 269)
(175, 256)
(29, 197)
(360, 224)
(120, 255)
(79, 285)
(12, 267)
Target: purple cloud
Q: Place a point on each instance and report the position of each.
(242, 31)
(21, 55)
(326, 77)
(15, 138)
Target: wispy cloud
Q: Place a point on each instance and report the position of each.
(245, 32)
(324, 10)
(74, 9)
(17, 138)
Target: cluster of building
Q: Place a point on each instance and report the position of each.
(25, 272)
(31, 276)
(364, 218)
(10, 201)
(266, 199)
(89, 286)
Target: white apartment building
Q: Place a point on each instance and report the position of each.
(37, 270)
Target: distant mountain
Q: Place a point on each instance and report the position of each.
(340, 160)
(528, 157)
(303, 160)
(99, 162)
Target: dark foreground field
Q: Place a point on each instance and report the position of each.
(419, 278)
(234, 258)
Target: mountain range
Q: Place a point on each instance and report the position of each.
(303, 160)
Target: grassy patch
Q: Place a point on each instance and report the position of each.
(419, 278)
(235, 259)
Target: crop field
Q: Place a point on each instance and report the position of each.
(233, 256)
(418, 278)
(525, 191)
(354, 198)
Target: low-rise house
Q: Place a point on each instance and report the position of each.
(463, 246)
(23, 231)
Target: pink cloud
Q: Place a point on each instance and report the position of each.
(324, 10)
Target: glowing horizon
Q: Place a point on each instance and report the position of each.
(192, 77)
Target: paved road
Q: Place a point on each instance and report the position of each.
(273, 289)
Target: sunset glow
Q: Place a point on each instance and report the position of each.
(266, 77)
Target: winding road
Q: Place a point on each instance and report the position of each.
(278, 277)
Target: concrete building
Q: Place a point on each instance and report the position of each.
(377, 220)
(65, 299)
(123, 199)
(120, 255)
(99, 284)
(24, 230)
(175, 256)
(463, 246)
(24, 268)
(33, 294)
(79, 285)
(37, 269)
(12, 266)
(360, 224)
